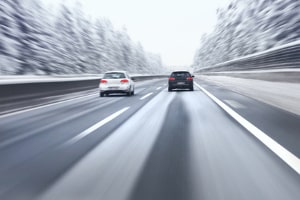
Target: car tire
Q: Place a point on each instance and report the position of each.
(132, 93)
(192, 88)
(101, 94)
(169, 89)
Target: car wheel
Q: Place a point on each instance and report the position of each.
(192, 88)
(101, 94)
(132, 93)
(170, 89)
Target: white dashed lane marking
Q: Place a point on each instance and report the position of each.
(146, 96)
(96, 126)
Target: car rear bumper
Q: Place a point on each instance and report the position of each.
(114, 91)
(120, 89)
(180, 86)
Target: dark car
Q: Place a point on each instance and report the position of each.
(181, 80)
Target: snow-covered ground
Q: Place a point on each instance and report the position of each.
(296, 70)
(279, 94)
(6, 80)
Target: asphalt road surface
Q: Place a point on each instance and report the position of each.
(156, 145)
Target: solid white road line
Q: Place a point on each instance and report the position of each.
(96, 126)
(146, 96)
(289, 158)
(44, 106)
(158, 88)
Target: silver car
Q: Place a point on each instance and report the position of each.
(116, 82)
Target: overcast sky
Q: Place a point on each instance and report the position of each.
(171, 28)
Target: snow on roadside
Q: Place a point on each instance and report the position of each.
(6, 80)
(285, 96)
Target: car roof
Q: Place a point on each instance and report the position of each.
(180, 71)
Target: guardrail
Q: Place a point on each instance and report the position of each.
(36, 87)
(285, 56)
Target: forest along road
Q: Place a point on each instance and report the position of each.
(160, 145)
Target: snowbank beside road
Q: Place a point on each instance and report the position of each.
(6, 80)
(279, 94)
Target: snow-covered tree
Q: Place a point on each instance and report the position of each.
(34, 40)
(9, 62)
(249, 26)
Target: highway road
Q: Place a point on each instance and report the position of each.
(207, 144)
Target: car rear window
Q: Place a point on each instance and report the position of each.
(114, 75)
(180, 74)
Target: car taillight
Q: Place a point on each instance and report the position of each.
(189, 78)
(171, 79)
(124, 81)
(103, 81)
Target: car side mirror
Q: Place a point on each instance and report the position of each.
(193, 76)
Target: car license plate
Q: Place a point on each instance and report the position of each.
(180, 83)
(113, 87)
